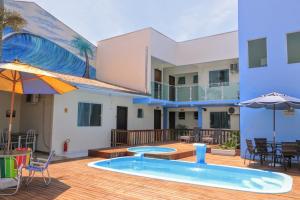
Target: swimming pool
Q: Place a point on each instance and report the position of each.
(151, 149)
(228, 177)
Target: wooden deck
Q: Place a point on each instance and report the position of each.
(75, 180)
(183, 150)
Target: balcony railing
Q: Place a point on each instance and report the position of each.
(195, 92)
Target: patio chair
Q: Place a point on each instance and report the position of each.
(298, 150)
(262, 149)
(39, 165)
(251, 150)
(4, 138)
(289, 151)
(10, 176)
(30, 139)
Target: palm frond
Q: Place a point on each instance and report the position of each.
(13, 19)
(82, 45)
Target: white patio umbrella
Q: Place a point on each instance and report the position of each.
(273, 101)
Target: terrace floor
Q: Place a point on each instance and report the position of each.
(75, 180)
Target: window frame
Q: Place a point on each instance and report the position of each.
(218, 84)
(140, 113)
(181, 77)
(181, 117)
(90, 114)
(286, 47)
(248, 56)
(221, 122)
(196, 115)
(196, 75)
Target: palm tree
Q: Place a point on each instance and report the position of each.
(85, 50)
(10, 19)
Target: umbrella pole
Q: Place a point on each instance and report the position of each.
(274, 134)
(12, 102)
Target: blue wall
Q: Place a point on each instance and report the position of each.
(272, 19)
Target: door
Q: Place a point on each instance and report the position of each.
(157, 119)
(157, 84)
(171, 120)
(171, 88)
(122, 117)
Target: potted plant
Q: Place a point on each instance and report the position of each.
(229, 148)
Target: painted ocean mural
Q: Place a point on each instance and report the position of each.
(45, 42)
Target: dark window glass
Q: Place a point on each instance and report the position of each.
(293, 47)
(89, 114)
(181, 115)
(219, 120)
(181, 80)
(195, 79)
(257, 53)
(219, 78)
(195, 115)
(140, 113)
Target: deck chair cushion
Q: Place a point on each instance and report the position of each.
(7, 183)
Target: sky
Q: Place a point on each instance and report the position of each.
(178, 19)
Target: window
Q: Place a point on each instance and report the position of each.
(181, 80)
(218, 78)
(293, 47)
(219, 120)
(89, 114)
(196, 115)
(257, 52)
(195, 79)
(140, 113)
(181, 115)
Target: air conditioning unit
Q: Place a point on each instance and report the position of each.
(32, 98)
(233, 111)
(234, 68)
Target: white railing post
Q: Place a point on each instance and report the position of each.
(205, 93)
(190, 93)
(159, 90)
(176, 93)
(222, 91)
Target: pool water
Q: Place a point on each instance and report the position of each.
(236, 178)
(151, 149)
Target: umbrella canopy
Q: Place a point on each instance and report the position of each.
(16, 77)
(269, 101)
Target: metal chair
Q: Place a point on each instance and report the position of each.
(261, 147)
(251, 150)
(30, 139)
(4, 139)
(40, 165)
(289, 151)
(10, 176)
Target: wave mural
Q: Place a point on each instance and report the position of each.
(45, 42)
(39, 51)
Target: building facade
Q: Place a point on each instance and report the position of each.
(269, 57)
(194, 83)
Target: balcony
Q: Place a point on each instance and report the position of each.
(195, 92)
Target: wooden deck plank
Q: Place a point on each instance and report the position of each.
(75, 180)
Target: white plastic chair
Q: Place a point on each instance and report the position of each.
(30, 139)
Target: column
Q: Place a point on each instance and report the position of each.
(165, 118)
(200, 117)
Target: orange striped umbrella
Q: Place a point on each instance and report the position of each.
(16, 77)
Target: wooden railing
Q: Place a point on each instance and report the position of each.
(219, 136)
(140, 137)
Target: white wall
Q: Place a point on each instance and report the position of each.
(122, 60)
(38, 117)
(217, 47)
(84, 138)
(5, 98)
(202, 70)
